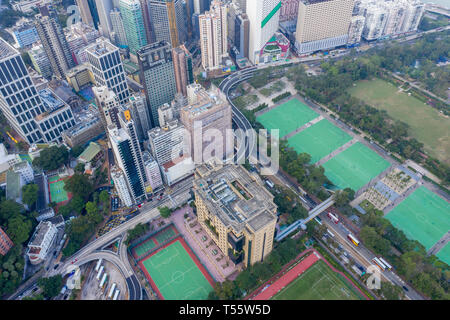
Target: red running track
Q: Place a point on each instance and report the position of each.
(287, 278)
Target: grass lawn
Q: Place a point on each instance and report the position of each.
(273, 88)
(427, 125)
(319, 282)
(246, 100)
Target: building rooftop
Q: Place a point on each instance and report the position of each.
(41, 202)
(6, 50)
(50, 100)
(39, 235)
(101, 47)
(13, 185)
(236, 197)
(90, 152)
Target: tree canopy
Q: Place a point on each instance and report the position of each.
(52, 158)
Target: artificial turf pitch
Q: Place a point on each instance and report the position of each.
(319, 140)
(174, 274)
(422, 216)
(287, 117)
(57, 192)
(444, 254)
(319, 282)
(354, 167)
(160, 238)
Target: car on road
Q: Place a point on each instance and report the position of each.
(56, 266)
(34, 289)
(405, 288)
(73, 261)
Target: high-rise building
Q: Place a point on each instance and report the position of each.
(241, 35)
(85, 12)
(183, 67)
(317, 29)
(289, 10)
(35, 116)
(236, 211)
(54, 44)
(108, 106)
(152, 171)
(139, 113)
(120, 183)
(167, 144)
(133, 22)
(355, 30)
(5, 243)
(104, 8)
(126, 157)
(80, 35)
(40, 61)
(376, 18)
(263, 16)
(168, 21)
(147, 24)
(158, 76)
(207, 114)
(213, 36)
(120, 36)
(200, 6)
(107, 68)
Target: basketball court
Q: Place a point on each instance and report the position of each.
(423, 216)
(355, 167)
(57, 192)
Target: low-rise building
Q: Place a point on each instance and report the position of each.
(89, 126)
(14, 184)
(178, 169)
(80, 77)
(41, 242)
(92, 153)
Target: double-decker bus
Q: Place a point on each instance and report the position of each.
(379, 264)
(388, 266)
(353, 239)
(333, 217)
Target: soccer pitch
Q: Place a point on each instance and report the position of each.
(176, 275)
(319, 282)
(423, 216)
(57, 192)
(287, 117)
(354, 167)
(444, 254)
(319, 140)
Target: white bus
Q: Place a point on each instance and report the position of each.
(388, 266)
(270, 184)
(116, 295)
(102, 283)
(97, 266)
(111, 291)
(379, 264)
(99, 274)
(330, 233)
(353, 239)
(333, 217)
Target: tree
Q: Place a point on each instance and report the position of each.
(165, 212)
(77, 204)
(52, 158)
(79, 185)
(79, 168)
(30, 194)
(92, 212)
(51, 286)
(19, 229)
(76, 151)
(8, 209)
(390, 291)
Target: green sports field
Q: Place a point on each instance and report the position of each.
(444, 254)
(176, 275)
(319, 282)
(287, 117)
(144, 247)
(319, 140)
(354, 167)
(165, 235)
(426, 124)
(423, 216)
(57, 192)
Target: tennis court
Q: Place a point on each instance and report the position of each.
(423, 216)
(143, 248)
(164, 235)
(287, 117)
(444, 254)
(319, 282)
(57, 192)
(319, 140)
(355, 167)
(176, 274)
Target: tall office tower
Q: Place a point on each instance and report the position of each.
(200, 6)
(104, 8)
(213, 36)
(289, 10)
(147, 24)
(376, 18)
(127, 123)
(85, 12)
(158, 76)
(182, 63)
(55, 44)
(120, 183)
(264, 17)
(40, 61)
(241, 35)
(207, 111)
(19, 100)
(108, 106)
(118, 28)
(139, 114)
(168, 20)
(236, 211)
(317, 29)
(5, 243)
(125, 154)
(133, 22)
(167, 144)
(107, 68)
(355, 30)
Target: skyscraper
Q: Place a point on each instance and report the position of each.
(158, 76)
(168, 20)
(120, 36)
(147, 24)
(213, 35)
(104, 8)
(139, 114)
(263, 16)
(317, 29)
(108, 106)
(133, 23)
(121, 186)
(54, 43)
(85, 12)
(107, 68)
(182, 63)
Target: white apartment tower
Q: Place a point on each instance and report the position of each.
(264, 17)
(213, 35)
(355, 30)
(120, 183)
